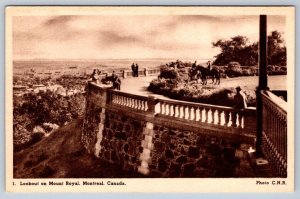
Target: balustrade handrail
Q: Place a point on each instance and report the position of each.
(274, 123)
(195, 104)
(177, 102)
(271, 98)
(129, 95)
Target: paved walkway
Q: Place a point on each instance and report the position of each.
(138, 85)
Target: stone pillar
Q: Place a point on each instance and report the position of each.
(93, 123)
(147, 144)
(151, 104)
(100, 133)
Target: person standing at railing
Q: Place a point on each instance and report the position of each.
(136, 70)
(240, 104)
(95, 76)
(116, 81)
(133, 69)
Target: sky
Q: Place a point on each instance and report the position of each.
(130, 37)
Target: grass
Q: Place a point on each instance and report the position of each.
(62, 155)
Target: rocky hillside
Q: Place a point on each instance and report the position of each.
(61, 155)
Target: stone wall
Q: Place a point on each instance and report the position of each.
(179, 153)
(121, 143)
(96, 98)
(169, 152)
(140, 142)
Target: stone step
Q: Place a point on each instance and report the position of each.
(261, 166)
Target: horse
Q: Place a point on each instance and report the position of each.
(216, 75)
(194, 74)
(203, 72)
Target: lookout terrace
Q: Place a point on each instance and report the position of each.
(170, 138)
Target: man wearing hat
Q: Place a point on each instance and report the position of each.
(240, 104)
(239, 99)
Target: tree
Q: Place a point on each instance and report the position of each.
(276, 49)
(239, 49)
(236, 49)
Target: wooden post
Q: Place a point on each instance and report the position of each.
(263, 79)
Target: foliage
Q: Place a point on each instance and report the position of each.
(276, 70)
(234, 70)
(177, 86)
(168, 72)
(236, 49)
(33, 110)
(276, 49)
(240, 50)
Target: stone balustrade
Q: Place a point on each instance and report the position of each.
(274, 143)
(202, 114)
(129, 100)
(142, 72)
(164, 137)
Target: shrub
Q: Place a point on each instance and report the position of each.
(247, 72)
(179, 88)
(276, 70)
(168, 73)
(254, 70)
(234, 70)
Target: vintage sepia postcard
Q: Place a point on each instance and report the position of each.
(150, 99)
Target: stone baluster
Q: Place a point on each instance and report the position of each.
(206, 115)
(113, 99)
(184, 113)
(136, 103)
(233, 118)
(195, 113)
(161, 107)
(213, 115)
(121, 100)
(131, 102)
(174, 110)
(118, 98)
(226, 117)
(127, 101)
(124, 100)
(168, 108)
(190, 112)
(219, 114)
